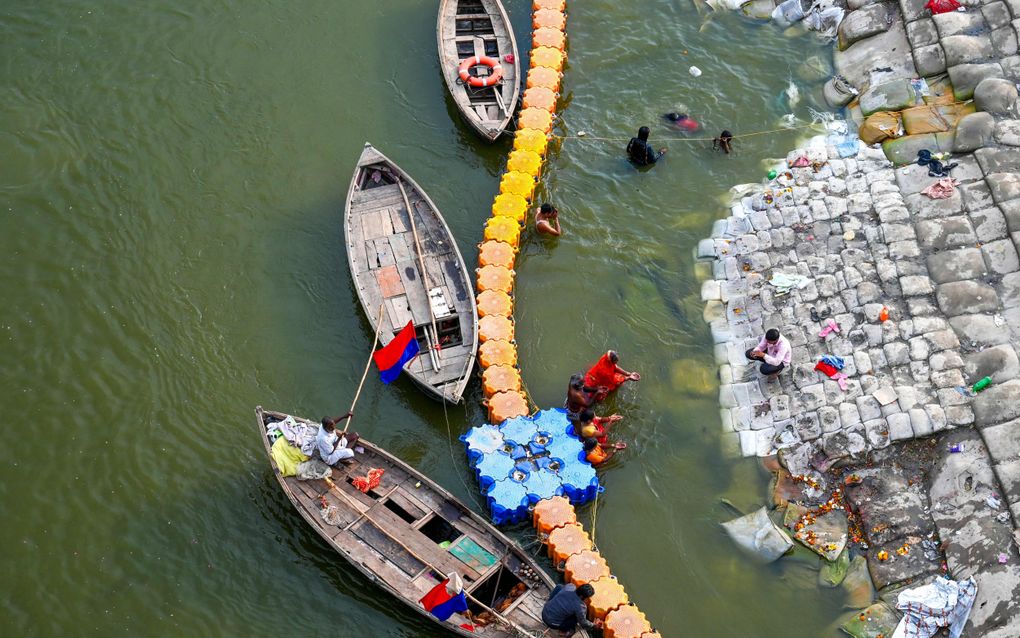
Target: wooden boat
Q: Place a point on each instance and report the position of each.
(468, 28)
(414, 270)
(408, 533)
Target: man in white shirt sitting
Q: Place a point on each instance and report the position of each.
(331, 445)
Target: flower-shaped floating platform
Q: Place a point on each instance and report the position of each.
(527, 459)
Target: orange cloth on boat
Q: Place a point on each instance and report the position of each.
(604, 373)
(495, 327)
(626, 622)
(546, 37)
(517, 183)
(529, 139)
(540, 97)
(510, 205)
(551, 513)
(566, 541)
(585, 567)
(505, 229)
(500, 379)
(495, 278)
(494, 302)
(496, 253)
(497, 352)
(370, 481)
(544, 76)
(550, 18)
(507, 405)
(559, 5)
(609, 595)
(548, 57)
(540, 119)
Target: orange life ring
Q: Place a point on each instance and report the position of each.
(476, 81)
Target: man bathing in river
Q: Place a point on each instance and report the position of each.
(547, 220)
(579, 397)
(773, 351)
(724, 142)
(606, 376)
(331, 445)
(640, 151)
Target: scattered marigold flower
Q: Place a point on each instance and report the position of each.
(883, 555)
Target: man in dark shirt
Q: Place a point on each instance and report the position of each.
(565, 609)
(640, 151)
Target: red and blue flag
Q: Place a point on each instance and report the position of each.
(392, 357)
(442, 604)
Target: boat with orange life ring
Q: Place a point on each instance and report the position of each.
(479, 62)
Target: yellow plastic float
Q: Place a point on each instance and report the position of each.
(566, 541)
(494, 302)
(505, 229)
(495, 278)
(497, 352)
(540, 97)
(529, 139)
(510, 205)
(548, 18)
(558, 5)
(544, 76)
(626, 622)
(548, 57)
(496, 253)
(551, 513)
(585, 567)
(497, 379)
(609, 596)
(506, 405)
(495, 327)
(517, 183)
(546, 37)
(540, 119)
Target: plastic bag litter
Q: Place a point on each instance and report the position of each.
(757, 534)
(881, 126)
(824, 21)
(313, 469)
(788, 12)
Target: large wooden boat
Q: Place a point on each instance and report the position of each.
(469, 28)
(408, 534)
(412, 268)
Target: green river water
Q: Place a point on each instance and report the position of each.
(172, 177)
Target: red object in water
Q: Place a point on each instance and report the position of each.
(942, 6)
(368, 482)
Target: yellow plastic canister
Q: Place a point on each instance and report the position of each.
(495, 327)
(540, 119)
(497, 352)
(540, 97)
(517, 183)
(550, 513)
(505, 229)
(496, 253)
(626, 622)
(548, 57)
(566, 541)
(494, 302)
(558, 5)
(544, 76)
(651, 634)
(529, 139)
(585, 567)
(497, 379)
(510, 205)
(506, 405)
(550, 18)
(546, 37)
(494, 278)
(609, 596)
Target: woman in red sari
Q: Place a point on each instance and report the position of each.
(607, 376)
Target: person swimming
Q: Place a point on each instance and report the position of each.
(724, 142)
(640, 151)
(682, 121)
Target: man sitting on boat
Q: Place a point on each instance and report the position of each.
(565, 609)
(331, 445)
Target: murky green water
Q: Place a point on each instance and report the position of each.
(172, 179)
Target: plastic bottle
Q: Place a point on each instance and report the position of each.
(981, 385)
(884, 314)
(956, 448)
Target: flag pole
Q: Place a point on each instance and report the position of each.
(368, 364)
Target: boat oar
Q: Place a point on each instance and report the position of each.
(420, 559)
(434, 338)
(368, 364)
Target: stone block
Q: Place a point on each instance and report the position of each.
(997, 404)
(959, 415)
(1004, 187)
(920, 424)
(1011, 66)
(979, 330)
(966, 49)
(1008, 132)
(962, 297)
(1003, 441)
(956, 265)
(989, 224)
(899, 427)
(1001, 256)
(955, 23)
(922, 32)
(995, 95)
(998, 160)
(976, 195)
(863, 23)
(966, 77)
(915, 285)
(912, 9)
(996, 14)
(848, 414)
(953, 232)
(903, 150)
(936, 416)
(1009, 475)
(1009, 289)
(942, 340)
(925, 208)
(996, 611)
(973, 131)
(1004, 41)
(929, 60)
(810, 397)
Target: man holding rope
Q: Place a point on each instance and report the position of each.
(331, 445)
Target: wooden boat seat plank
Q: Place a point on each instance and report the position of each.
(398, 216)
(401, 249)
(389, 281)
(415, 292)
(400, 498)
(383, 251)
(397, 312)
(375, 538)
(374, 225)
(377, 563)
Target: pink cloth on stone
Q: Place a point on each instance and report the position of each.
(941, 189)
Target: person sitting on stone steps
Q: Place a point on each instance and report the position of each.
(773, 351)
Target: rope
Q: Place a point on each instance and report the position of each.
(685, 139)
(594, 518)
(368, 364)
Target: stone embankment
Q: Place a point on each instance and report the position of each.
(925, 292)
